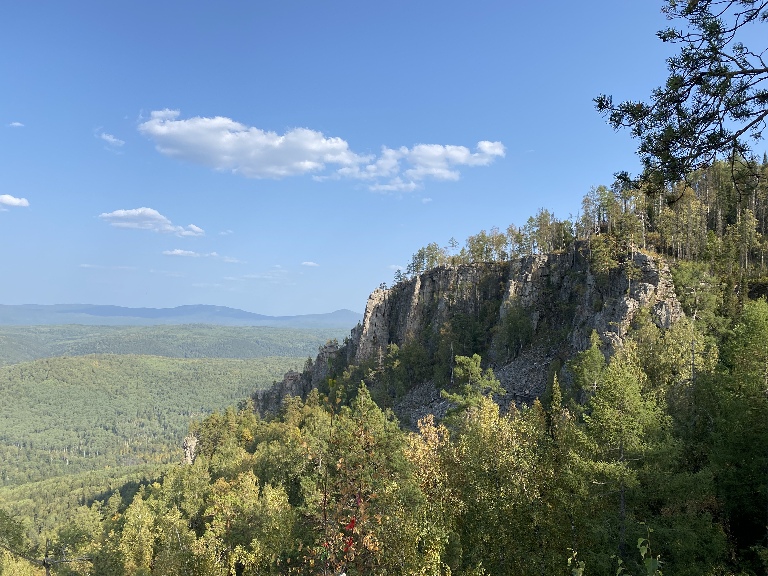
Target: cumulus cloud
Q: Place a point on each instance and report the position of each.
(310, 264)
(8, 200)
(111, 140)
(404, 169)
(193, 230)
(224, 144)
(16, 125)
(148, 219)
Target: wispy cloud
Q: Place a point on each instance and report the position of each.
(224, 144)
(192, 254)
(274, 275)
(226, 232)
(113, 141)
(178, 252)
(168, 273)
(148, 219)
(16, 125)
(8, 200)
(102, 267)
(310, 264)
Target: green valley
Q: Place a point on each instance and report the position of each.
(24, 343)
(68, 415)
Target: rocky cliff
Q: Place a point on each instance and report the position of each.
(526, 318)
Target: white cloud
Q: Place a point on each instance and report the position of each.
(111, 140)
(192, 230)
(8, 200)
(177, 252)
(224, 144)
(148, 219)
(426, 200)
(395, 185)
(310, 264)
(16, 125)
(226, 232)
(424, 161)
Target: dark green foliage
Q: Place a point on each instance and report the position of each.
(741, 451)
(11, 533)
(515, 331)
(472, 384)
(714, 101)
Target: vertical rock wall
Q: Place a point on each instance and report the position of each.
(562, 296)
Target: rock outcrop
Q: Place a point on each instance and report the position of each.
(563, 299)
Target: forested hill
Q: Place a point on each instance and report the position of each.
(25, 343)
(68, 415)
(635, 438)
(526, 318)
(89, 314)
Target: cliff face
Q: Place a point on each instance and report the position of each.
(560, 299)
(407, 310)
(557, 290)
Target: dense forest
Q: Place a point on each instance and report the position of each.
(709, 218)
(642, 455)
(74, 429)
(25, 343)
(647, 460)
(68, 415)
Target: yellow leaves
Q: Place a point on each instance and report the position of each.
(246, 437)
(371, 543)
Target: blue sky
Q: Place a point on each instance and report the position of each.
(283, 157)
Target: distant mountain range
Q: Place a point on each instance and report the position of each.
(91, 314)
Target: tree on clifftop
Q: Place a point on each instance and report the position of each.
(715, 100)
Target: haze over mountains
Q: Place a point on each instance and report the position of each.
(91, 314)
